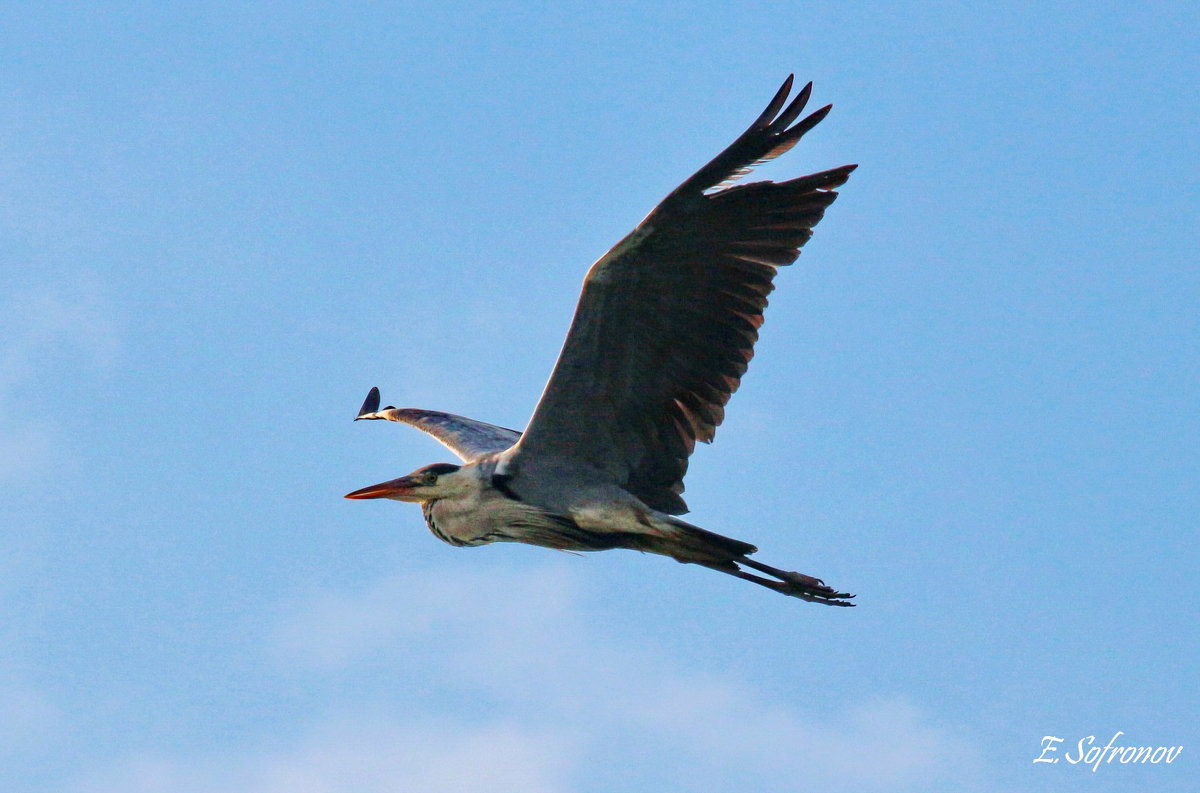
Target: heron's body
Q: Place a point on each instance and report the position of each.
(476, 506)
(479, 508)
(663, 333)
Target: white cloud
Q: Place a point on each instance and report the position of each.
(559, 709)
(47, 336)
(27, 719)
(38, 322)
(25, 449)
(366, 755)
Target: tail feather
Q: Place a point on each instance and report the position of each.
(709, 544)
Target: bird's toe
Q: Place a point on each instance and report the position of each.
(815, 590)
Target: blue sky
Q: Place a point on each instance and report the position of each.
(974, 400)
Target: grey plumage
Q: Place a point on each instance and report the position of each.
(664, 330)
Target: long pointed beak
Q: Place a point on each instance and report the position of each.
(396, 488)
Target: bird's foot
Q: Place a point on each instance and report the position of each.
(812, 589)
(798, 585)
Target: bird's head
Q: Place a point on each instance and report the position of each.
(424, 484)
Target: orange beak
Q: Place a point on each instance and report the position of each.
(398, 489)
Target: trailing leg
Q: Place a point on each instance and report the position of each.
(692, 544)
(789, 583)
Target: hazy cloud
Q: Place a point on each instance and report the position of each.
(47, 335)
(26, 718)
(561, 709)
(362, 754)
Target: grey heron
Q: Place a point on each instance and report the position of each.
(663, 332)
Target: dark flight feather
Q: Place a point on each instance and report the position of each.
(667, 320)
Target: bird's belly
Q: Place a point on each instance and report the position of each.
(614, 515)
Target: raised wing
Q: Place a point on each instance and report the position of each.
(467, 438)
(667, 320)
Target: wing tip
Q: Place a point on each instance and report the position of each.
(841, 175)
(370, 404)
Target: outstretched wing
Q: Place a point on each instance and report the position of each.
(467, 438)
(667, 320)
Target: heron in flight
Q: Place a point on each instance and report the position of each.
(664, 330)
